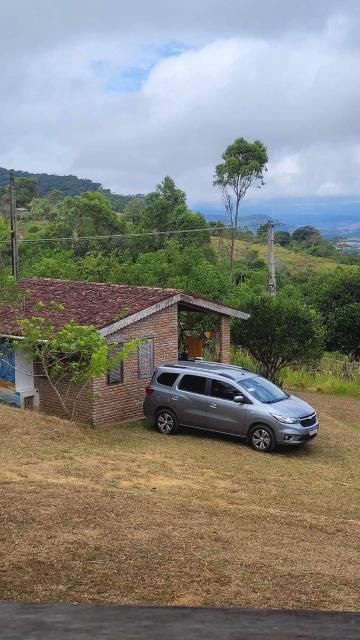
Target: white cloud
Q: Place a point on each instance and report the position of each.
(329, 189)
(282, 71)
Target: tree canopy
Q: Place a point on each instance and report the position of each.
(244, 165)
(308, 235)
(280, 332)
(337, 298)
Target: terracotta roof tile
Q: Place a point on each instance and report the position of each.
(87, 303)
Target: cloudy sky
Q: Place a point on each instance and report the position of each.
(127, 92)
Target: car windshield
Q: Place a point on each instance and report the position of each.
(263, 390)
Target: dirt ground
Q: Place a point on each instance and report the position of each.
(129, 516)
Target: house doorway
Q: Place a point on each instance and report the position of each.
(195, 346)
(200, 333)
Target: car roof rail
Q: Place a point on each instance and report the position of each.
(171, 366)
(196, 365)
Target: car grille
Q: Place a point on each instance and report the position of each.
(308, 421)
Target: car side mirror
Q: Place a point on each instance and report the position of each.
(240, 399)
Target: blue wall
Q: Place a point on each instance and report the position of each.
(8, 393)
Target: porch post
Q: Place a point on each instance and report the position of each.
(224, 339)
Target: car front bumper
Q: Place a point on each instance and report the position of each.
(293, 435)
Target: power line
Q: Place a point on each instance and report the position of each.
(129, 235)
(211, 229)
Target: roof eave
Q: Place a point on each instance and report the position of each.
(140, 315)
(199, 303)
(216, 307)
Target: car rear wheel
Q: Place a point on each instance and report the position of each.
(166, 422)
(262, 439)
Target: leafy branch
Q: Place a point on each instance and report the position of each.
(74, 354)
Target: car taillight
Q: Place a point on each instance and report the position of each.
(149, 390)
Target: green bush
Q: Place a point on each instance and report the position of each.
(280, 332)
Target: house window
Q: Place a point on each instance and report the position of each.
(116, 372)
(146, 359)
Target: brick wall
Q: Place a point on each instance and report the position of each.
(49, 402)
(123, 401)
(224, 339)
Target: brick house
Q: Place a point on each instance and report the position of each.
(121, 313)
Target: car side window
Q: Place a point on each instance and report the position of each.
(167, 379)
(223, 390)
(195, 384)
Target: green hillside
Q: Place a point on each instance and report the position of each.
(287, 260)
(68, 185)
(46, 182)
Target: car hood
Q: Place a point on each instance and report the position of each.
(293, 407)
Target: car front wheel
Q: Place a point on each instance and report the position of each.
(166, 422)
(262, 439)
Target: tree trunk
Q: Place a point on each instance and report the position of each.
(232, 247)
(233, 237)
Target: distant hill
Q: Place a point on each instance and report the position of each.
(68, 185)
(334, 217)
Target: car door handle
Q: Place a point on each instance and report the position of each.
(175, 397)
(212, 405)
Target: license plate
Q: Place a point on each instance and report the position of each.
(312, 432)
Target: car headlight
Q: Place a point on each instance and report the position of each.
(285, 419)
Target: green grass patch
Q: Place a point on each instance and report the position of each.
(242, 358)
(321, 382)
(327, 379)
(287, 260)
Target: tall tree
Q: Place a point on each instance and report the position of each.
(244, 165)
(308, 235)
(163, 206)
(166, 210)
(89, 214)
(26, 189)
(283, 238)
(262, 232)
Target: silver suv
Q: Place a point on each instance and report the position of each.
(227, 399)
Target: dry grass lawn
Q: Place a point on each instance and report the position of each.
(129, 516)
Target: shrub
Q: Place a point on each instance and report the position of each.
(280, 332)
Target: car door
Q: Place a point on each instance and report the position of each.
(189, 401)
(223, 414)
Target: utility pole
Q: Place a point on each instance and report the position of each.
(271, 258)
(14, 248)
